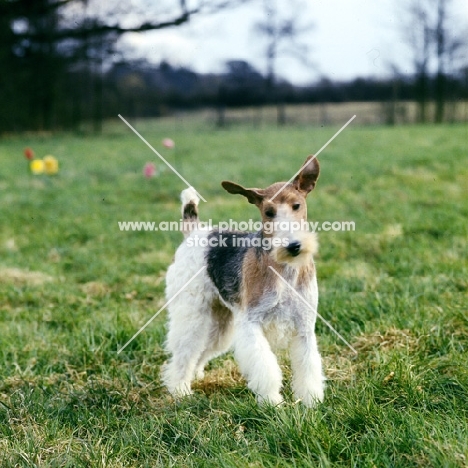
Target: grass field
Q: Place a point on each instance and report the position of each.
(73, 289)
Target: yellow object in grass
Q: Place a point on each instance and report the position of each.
(51, 166)
(36, 166)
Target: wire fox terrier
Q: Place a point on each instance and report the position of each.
(237, 301)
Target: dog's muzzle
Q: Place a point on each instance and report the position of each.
(294, 248)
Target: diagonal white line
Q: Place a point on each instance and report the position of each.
(161, 309)
(315, 155)
(318, 315)
(159, 155)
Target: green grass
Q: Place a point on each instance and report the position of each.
(73, 289)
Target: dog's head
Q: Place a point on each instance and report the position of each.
(283, 208)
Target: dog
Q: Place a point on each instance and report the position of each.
(226, 294)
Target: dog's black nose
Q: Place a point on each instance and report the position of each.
(294, 248)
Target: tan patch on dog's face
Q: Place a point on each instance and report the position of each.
(290, 205)
(282, 199)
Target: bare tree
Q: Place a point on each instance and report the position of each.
(431, 32)
(98, 24)
(282, 34)
(48, 46)
(417, 33)
(448, 42)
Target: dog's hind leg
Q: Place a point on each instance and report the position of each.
(221, 336)
(187, 339)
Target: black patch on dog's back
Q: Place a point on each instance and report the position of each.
(224, 262)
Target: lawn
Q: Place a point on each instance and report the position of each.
(74, 289)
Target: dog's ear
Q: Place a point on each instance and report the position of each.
(255, 196)
(306, 179)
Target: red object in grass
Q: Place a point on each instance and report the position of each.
(28, 153)
(149, 170)
(168, 143)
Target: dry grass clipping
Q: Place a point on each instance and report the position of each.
(23, 277)
(393, 338)
(220, 378)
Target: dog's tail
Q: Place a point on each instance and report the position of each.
(190, 201)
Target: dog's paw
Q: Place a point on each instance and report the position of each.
(312, 397)
(199, 374)
(182, 390)
(274, 399)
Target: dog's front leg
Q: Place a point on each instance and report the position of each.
(257, 362)
(306, 363)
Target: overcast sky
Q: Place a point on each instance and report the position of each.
(350, 38)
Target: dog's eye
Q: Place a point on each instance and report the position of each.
(296, 206)
(270, 213)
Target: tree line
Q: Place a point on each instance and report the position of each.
(61, 66)
(53, 54)
(141, 89)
